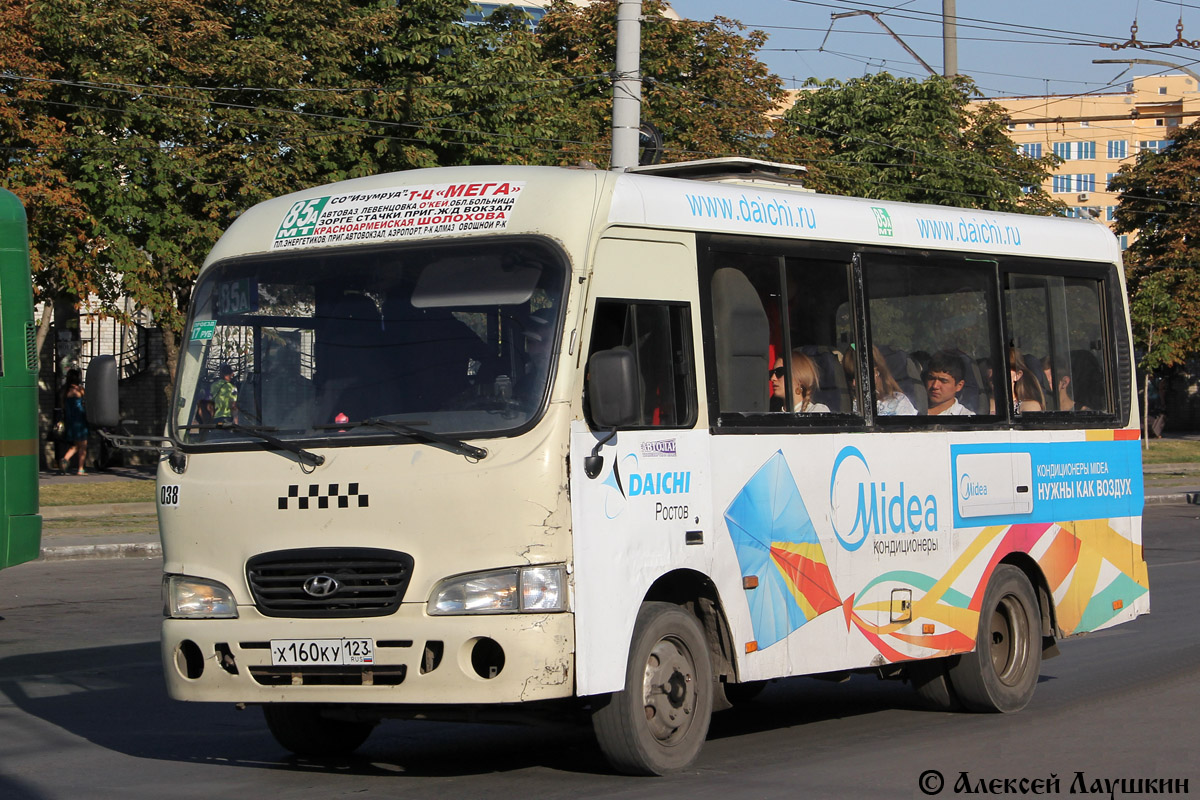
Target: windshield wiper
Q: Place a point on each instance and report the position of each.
(456, 445)
(260, 432)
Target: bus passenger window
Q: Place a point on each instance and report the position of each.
(659, 336)
(779, 332)
(931, 328)
(1055, 325)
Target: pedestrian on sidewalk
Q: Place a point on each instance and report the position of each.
(75, 419)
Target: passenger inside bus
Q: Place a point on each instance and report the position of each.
(1027, 393)
(805, 383)
(944, 380)
(906, 373)
(890, 400)
(287, 399)
(830, 388)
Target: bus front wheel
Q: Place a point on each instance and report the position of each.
(658, 722)
(1002, 672)
(303, 729)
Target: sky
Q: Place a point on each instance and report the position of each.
(1010, 47)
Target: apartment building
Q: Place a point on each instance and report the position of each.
(1095, 134)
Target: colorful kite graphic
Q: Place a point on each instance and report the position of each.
(776, 543)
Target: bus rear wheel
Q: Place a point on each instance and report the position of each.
(658, 722)
(1002, 672)
(305, 730)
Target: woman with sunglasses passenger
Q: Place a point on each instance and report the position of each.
(805, 383)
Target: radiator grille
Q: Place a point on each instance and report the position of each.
(31, 356)
(329, 582)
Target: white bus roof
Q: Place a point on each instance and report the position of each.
(566, 203)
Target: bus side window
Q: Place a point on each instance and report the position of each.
(931, 324)
(658, 335)
(1057, 325)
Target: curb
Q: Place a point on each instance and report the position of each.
(78, 552)
(1192, 498)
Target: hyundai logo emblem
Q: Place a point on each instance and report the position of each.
(321, 586)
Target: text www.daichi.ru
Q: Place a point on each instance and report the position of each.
(774, 212)
(968, 231)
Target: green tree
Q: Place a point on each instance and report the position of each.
(919, 141)
(36, 154)
(1160, 203)
(178, 114)
(703, 86)
(501, 102)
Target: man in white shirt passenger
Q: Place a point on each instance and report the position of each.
(943, 381)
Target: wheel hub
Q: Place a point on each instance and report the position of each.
(1008, 637)
(669, 691)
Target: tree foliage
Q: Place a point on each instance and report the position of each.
(137, 130)
(703, 86)
(171, 116)
(1160, 202)
(919, 141)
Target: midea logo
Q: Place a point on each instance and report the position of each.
(968, 488)
(851, 487)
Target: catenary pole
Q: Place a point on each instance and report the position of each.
(949, 39)
(627, 87)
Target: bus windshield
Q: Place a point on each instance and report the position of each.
(453, 339)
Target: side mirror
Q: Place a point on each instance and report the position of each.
(613, 388)
(612, 398)
(103, 406)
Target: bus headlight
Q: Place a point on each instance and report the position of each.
(185, 597)
(532, 590)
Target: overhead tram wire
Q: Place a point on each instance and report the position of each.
(901, 70)
(935, 17)
(992, 39)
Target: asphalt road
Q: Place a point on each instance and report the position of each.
(83, 714)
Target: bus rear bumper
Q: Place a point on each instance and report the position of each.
(418, 659)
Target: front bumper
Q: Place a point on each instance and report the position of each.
(419, 659)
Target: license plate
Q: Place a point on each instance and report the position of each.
(321, 652)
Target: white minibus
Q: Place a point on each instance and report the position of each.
(475, 442)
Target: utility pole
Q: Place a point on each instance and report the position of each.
(949, 39)
(627, 87)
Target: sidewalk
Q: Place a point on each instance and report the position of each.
(109, 530)
(129, 530)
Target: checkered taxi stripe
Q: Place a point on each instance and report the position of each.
(316, 495)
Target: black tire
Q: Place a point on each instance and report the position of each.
(303, 729)
(657, 724)
(1002, 672)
